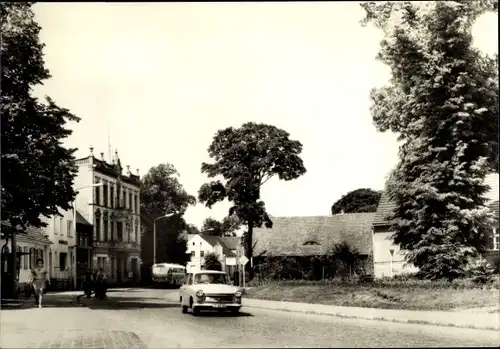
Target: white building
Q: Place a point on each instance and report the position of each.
(61, 259)
(31, 243)
(199, 245)
(114, 210)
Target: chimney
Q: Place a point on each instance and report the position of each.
(91, 151)
(137, 170)
(128, 170)
(102, 156)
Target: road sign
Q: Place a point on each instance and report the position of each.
(243, 260)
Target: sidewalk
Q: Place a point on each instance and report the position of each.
(463, 318)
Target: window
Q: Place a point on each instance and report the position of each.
(18, 255)
(124, 197)
(25, 257)
(97, 195)
(112, 230)
(137, 209)
(98, 228)
(137, 232)
(61, 226)
(193, 253)
(310, 242)
(70, 227)
(111, 196)
(193, 243)
(105, 195)
(202, 253)
(119, 231)
(62, 261)
(130, 202)
(496, 239)
(32, 258)
(105, 230)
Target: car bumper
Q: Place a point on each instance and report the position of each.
(217, 306)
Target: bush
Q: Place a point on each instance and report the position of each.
(212, 262)
(483, 273)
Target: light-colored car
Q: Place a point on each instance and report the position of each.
(209, 290)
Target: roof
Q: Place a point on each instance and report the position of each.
(385, 206)
(31, 233)
(288, 234)
(81, 220)
(227, 243)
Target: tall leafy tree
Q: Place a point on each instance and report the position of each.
(37, 171)
(247, 157)
(442, 101)
(161, 194)
(227, 227)
(357, 201)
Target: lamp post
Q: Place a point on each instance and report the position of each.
(154, 232)
(392, 257)
(74, 217)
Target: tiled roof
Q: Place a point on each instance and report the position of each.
(231, 242)
(385, 206)
(31, 233)
(80, 219)
(288, 234)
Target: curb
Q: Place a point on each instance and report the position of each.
(387, 319)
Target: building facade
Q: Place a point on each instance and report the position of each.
(61, 261)
(389, 259)
(199, 245)
(109, 199)
(31, 244)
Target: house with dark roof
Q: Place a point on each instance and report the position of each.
(199, 245)
(31, 244)
(389, 259)
(305, 237)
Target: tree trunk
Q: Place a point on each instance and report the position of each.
(249, 251)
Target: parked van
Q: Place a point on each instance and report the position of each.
(168, 274)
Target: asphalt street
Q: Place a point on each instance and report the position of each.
(161, 324)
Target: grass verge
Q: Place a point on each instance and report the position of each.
(398, 296)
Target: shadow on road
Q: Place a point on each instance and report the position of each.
(126, 303)
(49, 301)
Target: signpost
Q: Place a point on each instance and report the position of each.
(242, 261)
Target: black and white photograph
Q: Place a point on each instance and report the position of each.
(319, 174)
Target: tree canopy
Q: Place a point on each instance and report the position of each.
(357, 201)
(442, 101)
(37, 171)
(161, 194)
(247, 157)
(227, 227)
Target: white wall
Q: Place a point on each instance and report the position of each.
(382, 244)
(197, 245)
(26, 266)
(60, 231)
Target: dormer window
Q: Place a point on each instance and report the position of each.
(310, 242)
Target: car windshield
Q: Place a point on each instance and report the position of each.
(210, 278)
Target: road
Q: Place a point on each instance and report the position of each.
(266, 328)
(149, 315)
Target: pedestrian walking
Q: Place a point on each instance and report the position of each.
(39, 279)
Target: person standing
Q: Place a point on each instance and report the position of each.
(39, 280)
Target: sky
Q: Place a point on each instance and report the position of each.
(157, 80)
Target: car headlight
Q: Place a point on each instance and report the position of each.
(200, 293)
(238, 294)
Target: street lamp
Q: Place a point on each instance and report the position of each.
(74, 215)
(154, 232)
